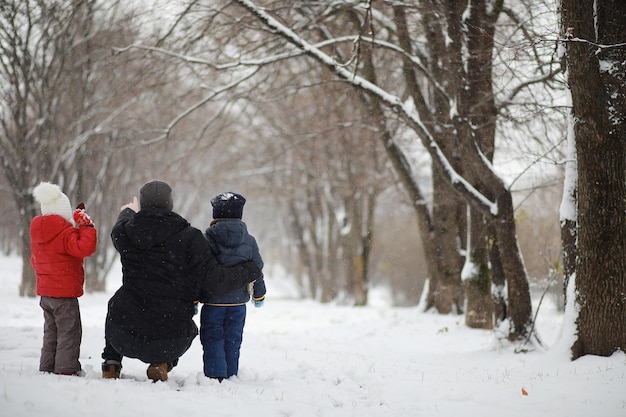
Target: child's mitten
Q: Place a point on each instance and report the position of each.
(81, 218)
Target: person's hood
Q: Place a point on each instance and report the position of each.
(46, 227)
(228, 232)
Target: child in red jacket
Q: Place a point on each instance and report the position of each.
(57, 252)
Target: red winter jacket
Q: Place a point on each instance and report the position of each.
(57, 252)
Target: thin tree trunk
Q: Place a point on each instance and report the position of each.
(28, 285)
(476, 279)
(498, 279)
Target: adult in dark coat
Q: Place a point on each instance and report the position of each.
(165, 263)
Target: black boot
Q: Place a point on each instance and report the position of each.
(111, 369)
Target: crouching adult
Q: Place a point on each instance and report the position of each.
(165, 261)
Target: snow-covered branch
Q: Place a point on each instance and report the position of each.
(597, 45)
(195, 60)
(290, 54)
(389, 100)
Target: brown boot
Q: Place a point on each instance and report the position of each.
(111, 369)
(158, 371)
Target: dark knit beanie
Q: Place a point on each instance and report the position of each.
(228, 206)
(156, 194)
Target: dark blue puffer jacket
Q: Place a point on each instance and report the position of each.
(232, 244)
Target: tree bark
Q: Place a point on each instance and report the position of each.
(596, 75)
(28, 285)
(446, 289)
(476, 279)
(446, 231)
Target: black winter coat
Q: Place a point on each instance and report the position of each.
(165, 262)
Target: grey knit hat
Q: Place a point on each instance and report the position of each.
(156, 194)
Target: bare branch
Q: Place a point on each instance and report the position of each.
(167, 131)
(527, 83)
(389, 100)
(597, 45)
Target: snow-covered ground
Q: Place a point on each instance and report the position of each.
(300, 358)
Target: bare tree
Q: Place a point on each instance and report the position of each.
(593, 35)
(69, 105)
(488, 195)
(33, 67)
(328, 169)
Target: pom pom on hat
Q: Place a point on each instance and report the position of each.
(228, 206)
(156, 194)
(52, 200)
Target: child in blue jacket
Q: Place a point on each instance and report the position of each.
(222, 318)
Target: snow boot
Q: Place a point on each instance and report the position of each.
(77, 373)
(158, 371)
(111, 369)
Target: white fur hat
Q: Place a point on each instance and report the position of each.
(52, 200)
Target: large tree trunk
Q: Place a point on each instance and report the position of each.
(470, 49)
(519, 308)
(498, 279)
(568, 212)
(444, 236)
(599, 110)
(24, 198)
(445, 290)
